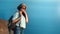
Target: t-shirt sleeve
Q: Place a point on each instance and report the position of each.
(15, 16)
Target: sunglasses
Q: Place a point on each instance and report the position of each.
(23, 8)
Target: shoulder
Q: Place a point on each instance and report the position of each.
(16, 13)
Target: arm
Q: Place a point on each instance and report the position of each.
(15, 20)
(26, 16)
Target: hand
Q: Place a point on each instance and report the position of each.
(20, 13)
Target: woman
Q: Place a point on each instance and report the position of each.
(20, 18)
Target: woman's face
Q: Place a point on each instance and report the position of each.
(23, 8)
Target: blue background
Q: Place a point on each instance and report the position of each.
(43, 15)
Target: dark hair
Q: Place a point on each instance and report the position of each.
(20, 6)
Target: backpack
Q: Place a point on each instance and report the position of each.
(10, 24)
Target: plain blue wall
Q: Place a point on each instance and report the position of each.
(43, 17)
